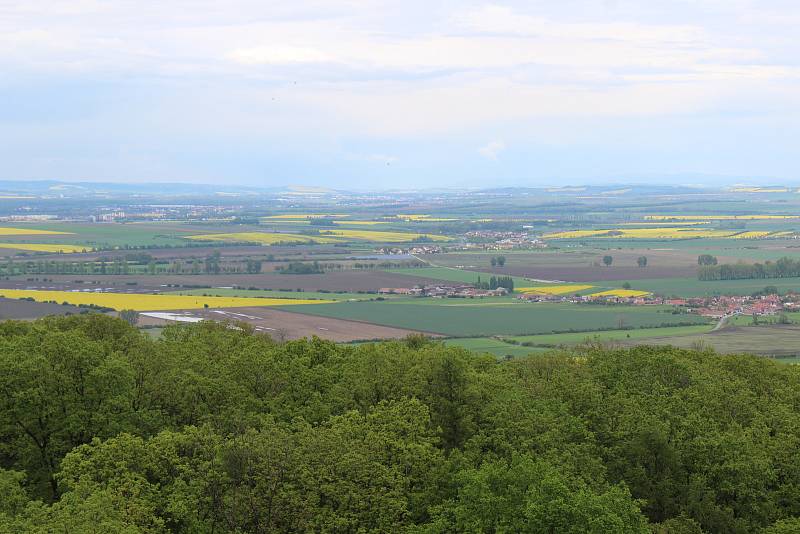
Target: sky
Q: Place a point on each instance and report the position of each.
(373, 94)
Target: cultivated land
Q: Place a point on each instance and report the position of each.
(285, 325)
(768, 340)
(692, 287)
(350, 281)
(144, 302)
(553, 243)
(465, 317)
(24, 309)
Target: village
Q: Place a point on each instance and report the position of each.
(715, 307)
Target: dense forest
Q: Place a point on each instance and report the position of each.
(214, 428)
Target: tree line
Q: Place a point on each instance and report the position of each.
(783, 268)
(220, 429)
(495, 282)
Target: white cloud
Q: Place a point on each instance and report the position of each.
(492, 149)
(278, 54)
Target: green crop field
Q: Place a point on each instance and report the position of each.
(106, 235)
(493, 346)
(476, 319)
(772, 340)
(573, 338)
(691, 287)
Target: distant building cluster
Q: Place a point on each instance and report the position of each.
(499, 240)
(415, 250)
(443, 291)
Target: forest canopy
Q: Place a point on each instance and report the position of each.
(220, 429)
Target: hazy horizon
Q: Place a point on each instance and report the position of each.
(387, 95)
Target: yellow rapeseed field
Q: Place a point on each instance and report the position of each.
(620, 293)
(644, 233)
(147, 302)
(29, 231)
(45, 247)
(577, 234)
(553, 290)
(263, 238)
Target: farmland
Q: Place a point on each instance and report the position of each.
(4, 231)
(45, 247)
(770, 340)
(324, 236)
(492, 318)
(148, 302)
(359, 263)
(262, 238)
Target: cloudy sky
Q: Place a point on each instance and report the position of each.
(379, 93)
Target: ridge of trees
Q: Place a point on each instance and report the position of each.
(220, 429)
(782, 268)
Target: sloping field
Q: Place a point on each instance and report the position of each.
(516, 318)
(148, 302)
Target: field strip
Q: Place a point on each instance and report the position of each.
(46, 247)
(150, 302)
(30, 231)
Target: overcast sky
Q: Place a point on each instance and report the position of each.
(370, 93)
